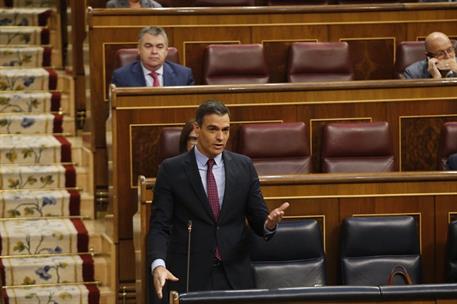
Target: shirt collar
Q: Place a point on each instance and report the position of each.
(203, 159)
(146, 72)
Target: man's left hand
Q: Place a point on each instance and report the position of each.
(275, 216)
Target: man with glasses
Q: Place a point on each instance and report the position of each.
(440, 61)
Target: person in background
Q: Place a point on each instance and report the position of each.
(188, 137)
(213, 194)
(440, 61)
(152, 69)
(132, 4)
(452, 162)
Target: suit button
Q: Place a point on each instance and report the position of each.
(217, 227)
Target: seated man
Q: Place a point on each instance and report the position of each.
(152, 69)
(440, 61)
(132, 3)
(452, 162)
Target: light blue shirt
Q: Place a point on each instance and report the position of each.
(218, 172)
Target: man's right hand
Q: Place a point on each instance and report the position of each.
(159, 276)
(433, 69)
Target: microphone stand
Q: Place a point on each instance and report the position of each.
(189, 236)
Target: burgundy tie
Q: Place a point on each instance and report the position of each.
(155, 79)
(213, 197)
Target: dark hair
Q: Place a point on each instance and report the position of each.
(210, 107)
(154, 31)
(183, 138)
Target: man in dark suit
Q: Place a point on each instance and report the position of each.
(440, 59)
(152, 69)
(186, 187)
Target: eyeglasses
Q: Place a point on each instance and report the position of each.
(442, 53)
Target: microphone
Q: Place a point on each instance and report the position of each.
(189, 237)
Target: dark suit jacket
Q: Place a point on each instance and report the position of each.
(179, 196)
(419, 70)
(131, 75)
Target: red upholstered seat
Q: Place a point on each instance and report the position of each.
(168, 143)
(278, 148)
(319, 61)
(224, 2)
(234, 64)
(448, 143)
(128, 55)
(407, 53)
(357, 147)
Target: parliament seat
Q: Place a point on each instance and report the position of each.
(128, 55)
(448, 143)
(319, 61)
(234, 64)
(168, 143)
(357, 147)
(452, 252)
(372, 245)
(407, 53)
(294, 257)
(276, 148)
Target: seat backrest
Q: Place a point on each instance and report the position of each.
(407, 53)
(452, 252)
(224, 2)
(168, 143)
(293, 257)
(319, 61)
(276, 148)
(234, 64)
(357, 147)
(448, 143)
(129, 55)
(371, 246)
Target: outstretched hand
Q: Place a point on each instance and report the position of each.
(275, 216)
(159, 276)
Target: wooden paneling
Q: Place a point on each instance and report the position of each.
(371, 29)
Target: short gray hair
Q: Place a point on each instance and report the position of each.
(154, 31)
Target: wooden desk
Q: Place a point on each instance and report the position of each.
(428, 196)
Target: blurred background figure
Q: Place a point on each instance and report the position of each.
(132, 4)
(188, 138)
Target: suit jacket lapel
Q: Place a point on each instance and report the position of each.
(168, 76)
(137, 73)
(229, 182)
(191, 170)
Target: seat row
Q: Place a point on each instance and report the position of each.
(374, 250)
(283, 148)
(307, 61)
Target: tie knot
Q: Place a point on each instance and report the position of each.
(210, 163)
